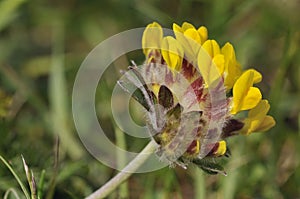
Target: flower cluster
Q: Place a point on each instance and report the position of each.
(201, 90)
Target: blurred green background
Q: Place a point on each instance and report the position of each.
(42, 44)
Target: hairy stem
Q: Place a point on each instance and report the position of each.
(113, 183)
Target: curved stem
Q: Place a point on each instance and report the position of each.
(113, 183)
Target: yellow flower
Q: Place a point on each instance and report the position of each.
(223, 59)
(232, 69)
(210, 61)
(202, 30)
(221, 149)
(200, 35)
(258, 120)
(172, 52)
(198, 108)
(152, 37)
(245, 96)
(211, 47)
(190, 38)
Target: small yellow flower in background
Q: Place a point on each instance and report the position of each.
(201, 115)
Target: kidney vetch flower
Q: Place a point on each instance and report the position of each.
(195, 93)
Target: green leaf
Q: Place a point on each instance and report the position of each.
(228, 152)
(41, 184)
(210, 167)
(16, 177)
(13, 192)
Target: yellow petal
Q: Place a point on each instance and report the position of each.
(197, 147)
(172, 52)
(257, 77)
(221, 148)
(232, 69)
(203, 33)
(186, 26)
(211, 47)
(219, 62)
(192, 43)
(258, 120)
(257, 117)
(251, 99)
(152, 37)
(190, 46)
(190, 39)
(260, 111)
(193, 34)
(155, 89)
(267, 123)
(177, 28)
(245, 130)
(240, 89)
(209, 71)
(245, 96)
(228, 51)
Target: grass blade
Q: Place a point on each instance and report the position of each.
(16, 177)
(58, 95)
(6, 195)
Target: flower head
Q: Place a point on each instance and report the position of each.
(192, 89)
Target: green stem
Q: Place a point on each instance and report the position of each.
(121, 160)
(113, 183)
(199, 181)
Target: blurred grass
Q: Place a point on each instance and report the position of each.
(8, 11)
(58, 95)
(121, 161)
(42, 44)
